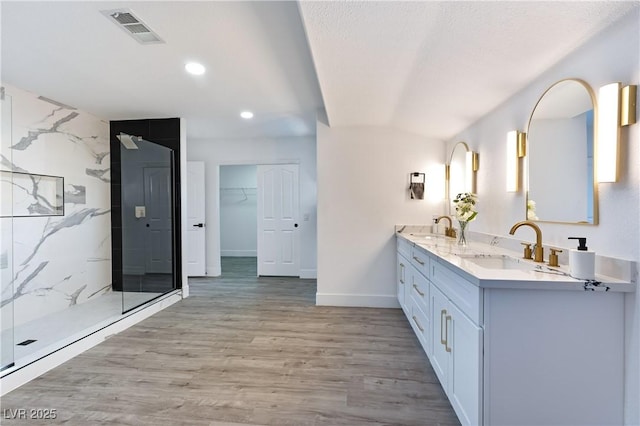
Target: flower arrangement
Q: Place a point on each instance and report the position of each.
(466, 206)
(465, 212)
(531, 210)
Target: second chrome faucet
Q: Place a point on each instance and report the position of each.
(538, 252)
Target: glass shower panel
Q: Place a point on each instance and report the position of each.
(147, 221)
(6, 236)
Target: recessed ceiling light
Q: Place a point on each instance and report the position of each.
(246, 115)
(194, 68)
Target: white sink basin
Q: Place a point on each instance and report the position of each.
(489, 261)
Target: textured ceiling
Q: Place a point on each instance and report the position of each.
(433, 68)
(256, 55)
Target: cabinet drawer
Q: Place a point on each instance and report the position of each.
(419, 287)
(404, 247)
(421, 326)
(420, 260)
(466, 296)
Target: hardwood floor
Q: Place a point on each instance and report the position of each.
(250, 351)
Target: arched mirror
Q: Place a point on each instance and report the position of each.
(560, 150)
(460, 172)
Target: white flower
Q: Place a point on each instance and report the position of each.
(531, 210)
(466, 206)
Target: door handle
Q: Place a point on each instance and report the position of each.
(295, 225)
(199, 225)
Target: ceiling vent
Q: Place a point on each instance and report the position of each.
(132, 25)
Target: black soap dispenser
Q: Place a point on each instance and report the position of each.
(582, 261)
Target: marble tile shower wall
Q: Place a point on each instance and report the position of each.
(58, 261)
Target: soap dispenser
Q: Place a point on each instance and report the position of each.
(582, 262)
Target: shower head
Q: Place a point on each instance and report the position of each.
(128, 141)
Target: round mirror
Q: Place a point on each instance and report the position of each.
(460, 175)
(560, 149)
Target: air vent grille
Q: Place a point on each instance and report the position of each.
(137, 28)
(132, 25)
(124, 18)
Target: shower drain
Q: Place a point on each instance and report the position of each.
(27, 342)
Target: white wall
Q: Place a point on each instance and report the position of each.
(612, 56)
(238, 210)
(363, 180)
(300, 151)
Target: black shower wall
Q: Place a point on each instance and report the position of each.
(162, 131)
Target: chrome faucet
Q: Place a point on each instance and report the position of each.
(539, 251)
(449, 232)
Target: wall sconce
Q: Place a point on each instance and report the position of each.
(516, 149)
(616, 108)
(471, 167)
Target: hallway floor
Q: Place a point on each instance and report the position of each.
(244, 350)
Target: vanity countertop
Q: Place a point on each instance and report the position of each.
(526, 274)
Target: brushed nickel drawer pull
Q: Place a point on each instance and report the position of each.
(446, 332)
(442, 320)
(418, 260)
(401, 273)
(419, 292)
(417, 323)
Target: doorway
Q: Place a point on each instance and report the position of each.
(238, 220)
(259, 208)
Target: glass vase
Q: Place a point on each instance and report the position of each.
(462, 236)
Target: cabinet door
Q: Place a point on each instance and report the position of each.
(439, 348)
(402, 282)
(465, 374)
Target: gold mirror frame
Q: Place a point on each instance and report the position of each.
(471, 166)
(561, 175)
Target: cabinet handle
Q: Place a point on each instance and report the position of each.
(442, 320)
(418, 260)
(417, 323)
(402, 273)
(446, 332)
(419, 292)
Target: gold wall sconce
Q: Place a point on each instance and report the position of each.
(516, 150)
(616, 109)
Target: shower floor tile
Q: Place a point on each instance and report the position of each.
(61, 328)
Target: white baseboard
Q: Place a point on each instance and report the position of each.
(214, 271)
(19, 375)
(239, 253)
(357, 300)
(308, 274)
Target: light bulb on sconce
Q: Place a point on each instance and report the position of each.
(516, 149)
(616, 109)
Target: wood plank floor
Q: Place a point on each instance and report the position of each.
(247, 351)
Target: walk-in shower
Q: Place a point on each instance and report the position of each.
(85, 241)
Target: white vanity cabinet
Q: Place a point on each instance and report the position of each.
(508, 354)
(457, 354)
(403, 274)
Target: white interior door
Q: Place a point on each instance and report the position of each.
(195, 219)
(157, 196)
(278, 245)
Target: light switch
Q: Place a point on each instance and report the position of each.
(141, 211)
